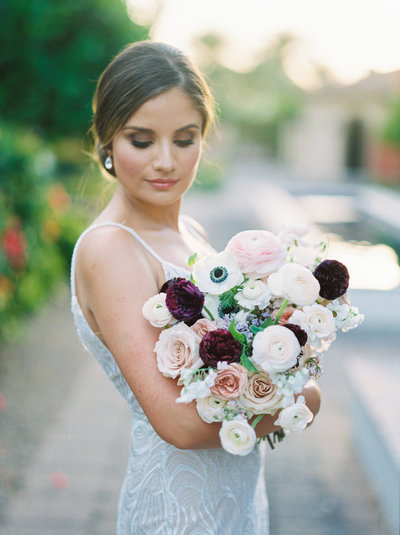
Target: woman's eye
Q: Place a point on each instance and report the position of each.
(140, 144)
(184, 142)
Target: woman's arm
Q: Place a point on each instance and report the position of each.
(118, 278)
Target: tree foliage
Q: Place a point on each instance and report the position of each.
(51, 55)
(258, 102)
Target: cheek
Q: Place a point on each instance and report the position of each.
(127, 161)
(191, 161)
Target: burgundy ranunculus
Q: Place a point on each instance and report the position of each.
(185, 301)
(299, 333)
(167, 284)
(333, 278)
(219, 346)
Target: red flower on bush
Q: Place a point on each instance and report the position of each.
(219, 346)
(14, 243)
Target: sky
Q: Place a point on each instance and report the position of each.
(350, 37)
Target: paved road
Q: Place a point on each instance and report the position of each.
(64, 434)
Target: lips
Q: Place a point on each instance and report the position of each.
(162, 183)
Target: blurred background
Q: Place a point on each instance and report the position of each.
(308, 96)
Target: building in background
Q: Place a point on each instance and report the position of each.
(339, 132)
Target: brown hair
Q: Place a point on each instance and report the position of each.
(141, 71)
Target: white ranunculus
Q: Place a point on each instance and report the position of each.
(218, 273)
(292, 234)
(295, 418)
(316, 320)
(177, 348)
(275, 349)
(260, 396)
(295, 283)
(211, 409)
(254, 293)
(156, 312)
(237, 436)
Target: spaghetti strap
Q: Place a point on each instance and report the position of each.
(191, 228)
(113, 224)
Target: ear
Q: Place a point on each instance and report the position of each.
(108, 150)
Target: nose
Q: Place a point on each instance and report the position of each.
(164, 160)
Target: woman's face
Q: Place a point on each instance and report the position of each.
(157, 152)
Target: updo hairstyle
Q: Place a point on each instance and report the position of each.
(141, 71)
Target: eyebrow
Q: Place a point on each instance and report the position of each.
(150, 131)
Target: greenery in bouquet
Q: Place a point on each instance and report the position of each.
(38, 226)
(249, 330)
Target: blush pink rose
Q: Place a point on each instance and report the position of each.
(231, 382)
(258, 252)
(177, 348)
(203, 326)
(261, 395)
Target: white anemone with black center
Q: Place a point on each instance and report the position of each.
(216, 274)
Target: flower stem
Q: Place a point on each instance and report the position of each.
(280, 311)
(256, 420)
(209, 313)
(270, 442)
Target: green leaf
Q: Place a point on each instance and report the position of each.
(246, 362)
(256, 420)
(258, 328)
(236, 334)
(227, 299)
(192, 279)
(192, 259)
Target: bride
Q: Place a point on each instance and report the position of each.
(152, 110)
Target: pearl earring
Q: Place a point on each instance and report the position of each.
(108, 163)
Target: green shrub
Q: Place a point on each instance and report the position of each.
(38, 226)
(52, 54)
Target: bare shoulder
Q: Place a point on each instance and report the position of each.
(100, 242)
(196, 226)
(109, 255)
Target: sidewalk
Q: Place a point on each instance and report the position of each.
(72, 481)
(315, 483)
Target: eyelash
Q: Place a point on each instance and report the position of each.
(144, 144)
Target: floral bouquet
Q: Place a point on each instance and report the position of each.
(249, 329)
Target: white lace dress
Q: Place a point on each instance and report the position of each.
(168, 491)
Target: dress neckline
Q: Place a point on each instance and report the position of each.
(146, 244)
